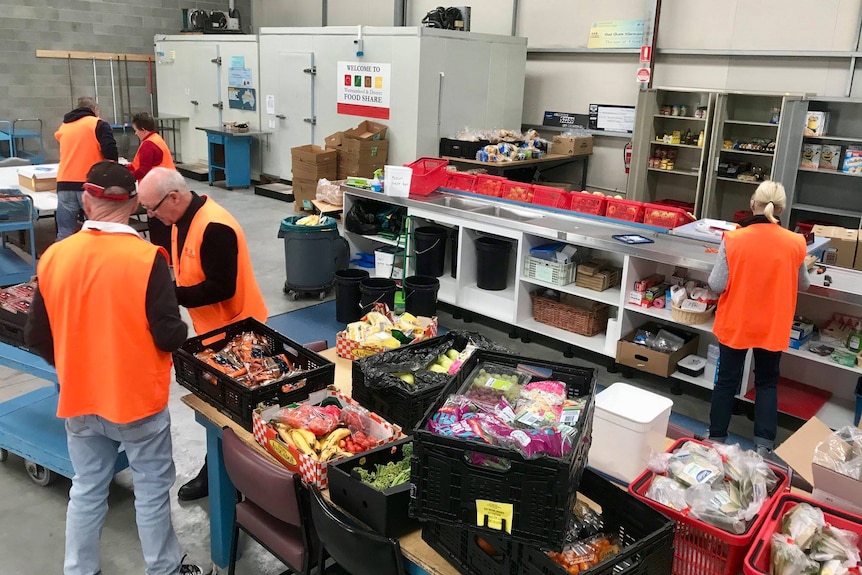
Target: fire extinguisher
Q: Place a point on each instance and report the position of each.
(627, 156)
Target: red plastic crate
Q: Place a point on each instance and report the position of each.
(665, 216)
(489, 185)
(551, 197)
(461, 181)
(700, 548)
(428, 175)
(806, 226)
(588, 203)
(628, 210)
(517, 191)
(687, 206)
(757, 562)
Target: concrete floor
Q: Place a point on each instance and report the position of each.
(32, 518)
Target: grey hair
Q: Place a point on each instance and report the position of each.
(165, 180)
(87, 102)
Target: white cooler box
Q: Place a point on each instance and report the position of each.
(628, 425)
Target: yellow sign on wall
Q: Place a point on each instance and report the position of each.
(616, 34)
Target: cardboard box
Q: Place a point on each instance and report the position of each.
(816, 123)
(367, 130)
(650, 361)
(303, 192)
(857, 264)
(801, 329)
(377, 150)
(312, 162)
(842, 244)
(798, 453)
(37, 178)
(571, 145)
(830, 157)
(852, 163)
(810, 157)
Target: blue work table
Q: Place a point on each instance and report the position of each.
(229, 153)
(420, 558)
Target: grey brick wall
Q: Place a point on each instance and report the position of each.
(33, 87)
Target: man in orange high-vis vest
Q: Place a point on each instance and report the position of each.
(106, 315)
(152, 153)
(214, 277)
(84, 139)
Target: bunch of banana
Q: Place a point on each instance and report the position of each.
(322, 449)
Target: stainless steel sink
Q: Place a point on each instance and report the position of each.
(507, 213)
(458, 203)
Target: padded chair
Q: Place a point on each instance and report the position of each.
(357, 550)
(272, 507)
(316, 346)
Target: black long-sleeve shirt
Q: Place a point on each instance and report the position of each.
(218, 254)
(168, 329)
(105, 136)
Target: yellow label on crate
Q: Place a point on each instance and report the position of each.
(499, 515)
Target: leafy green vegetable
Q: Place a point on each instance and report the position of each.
(389, 475)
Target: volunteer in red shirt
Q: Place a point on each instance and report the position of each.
(760, 269)
(152, 153)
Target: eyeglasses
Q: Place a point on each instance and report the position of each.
(157, 206)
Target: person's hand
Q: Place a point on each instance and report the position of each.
(810, 261)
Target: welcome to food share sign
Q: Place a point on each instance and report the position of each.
(363, 89)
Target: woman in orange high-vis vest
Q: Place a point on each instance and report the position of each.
(760, 268)
(152, 153)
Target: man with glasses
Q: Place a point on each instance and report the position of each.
(106, 315)
(84, 139)
(214, 277)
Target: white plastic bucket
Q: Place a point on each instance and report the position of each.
(396, 181)
(384, 260)
(628, 425)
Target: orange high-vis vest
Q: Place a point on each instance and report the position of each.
(757, 308)
(167, 161)
(94, 285)
(247, 301)
(79, 149)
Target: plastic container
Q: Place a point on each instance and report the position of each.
(384, 511)
(376, 290)
(627, 210)
(461, 148)
(236, 400)
(587, 203)
(757, 562)
(428, 175)
(540, 491)
(312, 254)
(347, 296)
(420, 295)
(388, 262)
(556, 273)
(517, 191)
(492, 263)
(429, 244)
(551, 197)
(629, 424)
(461, 181)
(489, 185)
(700, 548)
(397, 181)
(665, 216)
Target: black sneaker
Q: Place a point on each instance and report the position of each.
(190, 569)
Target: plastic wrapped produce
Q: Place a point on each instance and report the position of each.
(719, 506)
(788, 559)
(695, 464)
(750, 476)
(834, 544)
(842, 452)
(668, 492)
(802, 524)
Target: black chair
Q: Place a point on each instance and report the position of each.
(357, 550)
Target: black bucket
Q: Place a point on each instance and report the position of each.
(454, 251)
(347, 295)
(492, 263)
(420, 295)
(377, 290)
(430, 245)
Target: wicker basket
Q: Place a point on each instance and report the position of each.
(687, 317)
(574, 314)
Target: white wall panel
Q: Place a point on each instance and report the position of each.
(353, 13)
(486, 16)
(286, 13)
(567, 23)
(701, 24)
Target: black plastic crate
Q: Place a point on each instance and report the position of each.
(541, 491)
(462, 548)
(645, 534)
(461, 148)
(12, 328)
(383, 511)
(395, 404)
(236, 400)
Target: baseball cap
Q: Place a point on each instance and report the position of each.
(109, 180)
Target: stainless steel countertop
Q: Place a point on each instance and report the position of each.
(223, 132)
(667, 248)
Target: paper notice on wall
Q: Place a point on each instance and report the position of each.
(239, 77)
(270, 104)
(237, 61)
(363, 89)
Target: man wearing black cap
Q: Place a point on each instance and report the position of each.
(106, 315)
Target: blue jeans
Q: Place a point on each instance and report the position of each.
(766, 372)
(93, 443)
(69, 207)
